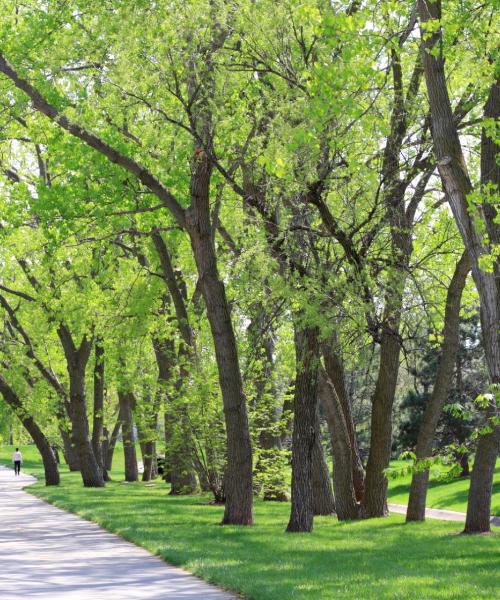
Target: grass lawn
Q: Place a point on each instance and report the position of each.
(451, 495)
(376, 559)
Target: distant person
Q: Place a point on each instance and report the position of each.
(17, 459)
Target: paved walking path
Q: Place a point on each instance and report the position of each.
(49, 554)
(436, 513)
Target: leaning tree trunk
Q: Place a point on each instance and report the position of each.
(479, 501)
(434, 406)
(335, 369)
(343, 485)
(238, 477)
(453, 171)
(304, 428)
(48, 458)
(97, 429)
(126, 401)
(322, 492)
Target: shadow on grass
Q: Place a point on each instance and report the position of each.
(380, 558)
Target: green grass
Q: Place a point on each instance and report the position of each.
(376, 559)
(451, 495)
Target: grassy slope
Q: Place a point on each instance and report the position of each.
(380, 558)
(451, 495)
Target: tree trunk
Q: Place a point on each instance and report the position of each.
(463, 460)
(453, 170)
(335, 370)
(179, 463)
(343, 486)
(434, 406)
(111, 445)
(49, 460)
(238, 477)
(97, 429)
(269, 480)
(148, 459)
(126, 401)
(322, 492)
(479, 500)
(304, 428)
(70, 455)
(76, 361)
(91, 473)
(374, 501)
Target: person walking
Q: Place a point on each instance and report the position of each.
(17, 459)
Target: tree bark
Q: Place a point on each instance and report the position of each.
(112, 443)
(374, 501)
(322, 492)
(76, 361)
(127, 401)
(97, 429)
(50, 467)
(148, 459)
(434, 406)
(479, 501)
(454, 175)
(238, 477)
(304, 427)
(346, 506)
(179, 464)
(267, 412)
(334, 368)
(70, 455)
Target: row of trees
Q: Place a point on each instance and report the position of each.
(242, 231)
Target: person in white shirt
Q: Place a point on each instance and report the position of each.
(17, 459)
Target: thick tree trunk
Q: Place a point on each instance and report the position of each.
(97, 429)
(343, 485)
(434, 406)
(91, 473)
(456, 182)
(374, 501)
(304, 428)
(335, 370)
(48, 458)
(238, 477)
(76, 361)
(322, 492)
(126, 401)
(479, 500)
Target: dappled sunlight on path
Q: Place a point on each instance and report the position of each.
(46, 553)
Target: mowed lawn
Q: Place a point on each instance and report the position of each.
(451, 495)
(375, 559)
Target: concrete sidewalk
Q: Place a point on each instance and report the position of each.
(436, 513)
(49, 554)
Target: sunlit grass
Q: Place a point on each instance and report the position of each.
(451, 495)
(376, 559)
